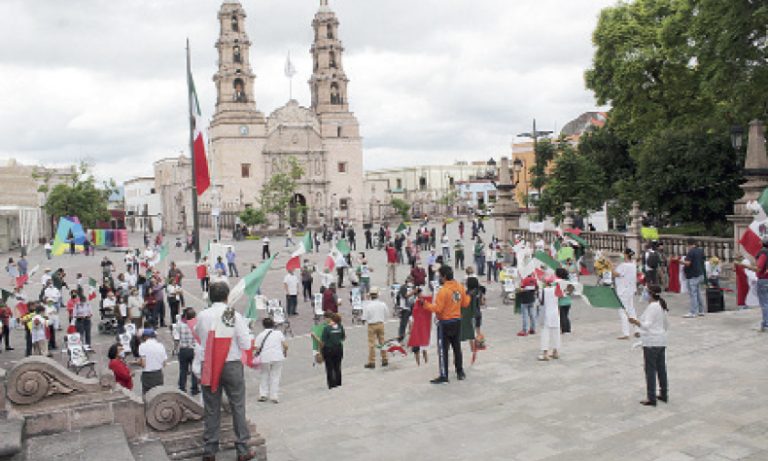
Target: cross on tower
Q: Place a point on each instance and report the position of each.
(323, 2)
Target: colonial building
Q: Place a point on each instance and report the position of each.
(173, 184)
(142, 205)
(246, 148)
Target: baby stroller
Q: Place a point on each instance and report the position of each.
(108, 324)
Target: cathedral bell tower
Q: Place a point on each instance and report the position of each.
(328, 82)
(234, 79)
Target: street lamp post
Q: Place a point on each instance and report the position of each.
(535, 134)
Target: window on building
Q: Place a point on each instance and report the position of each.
(422, 183)
(335, 96)
(399, 183)
(236, 54)
(343, 204)
(152, 190)
(235, 25)
(342, 167)
(332, 60)
(329, 33)
(245, 170)
(338, 131)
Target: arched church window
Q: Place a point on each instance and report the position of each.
(236, 54)
(335, 97)
(329, 33)
(239, 95)
(332, 60)
(235, 25)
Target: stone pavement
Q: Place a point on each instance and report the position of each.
(583, 406)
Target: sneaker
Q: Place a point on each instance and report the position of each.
(275, 401)
(384, 364)
(370, 366)
(439, 380)
(262, 399)
(531, 331)
(688, 316)
(461, 376)
(701, 314)
(555, 355)
(543, 358)
(522, 333)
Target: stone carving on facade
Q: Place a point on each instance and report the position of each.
(292, 115)
(167, 408)
(36, 378)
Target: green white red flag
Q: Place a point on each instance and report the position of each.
(305, 246)
(202, 177)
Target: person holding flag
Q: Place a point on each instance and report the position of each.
(449, 300)
(653, 325)
(224, 336)
(625, 276)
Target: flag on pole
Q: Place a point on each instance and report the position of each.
(305, 246)
(160, 255)
(202, 177)
(400, 228)
(576, 238)
(290, 69)
(600, 296)
(92, 288)
(546, 259)
(751, 240)
(330, 260)
(343, 247)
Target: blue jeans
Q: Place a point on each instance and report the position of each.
(762, 295)
(697, 307)
(480, 263)
(527, 312)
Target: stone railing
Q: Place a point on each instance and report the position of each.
(616, 242)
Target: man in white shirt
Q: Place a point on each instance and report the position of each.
(291, 284)
(375, 313)
(46, 276)
(130, 277)
(223, 321)
(625, 276)
(51, 292)
(152, 358)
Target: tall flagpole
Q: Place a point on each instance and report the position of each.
(195, 220)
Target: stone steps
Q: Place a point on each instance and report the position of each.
(11, 432)
(92, 444)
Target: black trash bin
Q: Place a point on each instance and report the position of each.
(715, 301)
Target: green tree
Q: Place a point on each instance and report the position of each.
(401, 207)
(574, 178)
(448, 200)
(276, 194)
(253, 217)
(80, 196)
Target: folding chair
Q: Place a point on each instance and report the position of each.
(77, 358)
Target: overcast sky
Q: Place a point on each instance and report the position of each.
(431, 81)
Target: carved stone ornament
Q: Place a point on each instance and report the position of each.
(292, 115)
(35, 378)
(166, 408)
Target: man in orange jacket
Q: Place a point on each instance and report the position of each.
(449, 300)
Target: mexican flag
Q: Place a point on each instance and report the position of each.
(92, 288)
(343, 247)
(604, 297)
(751, 240)
(202, 177)
(160, 255)
(250, 284)
(330, 260)
(576, 238)
(5, 295)
(22, 280)
(305, 246)
(546, 259)
(400, 228)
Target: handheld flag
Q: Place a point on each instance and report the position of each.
(343, 247)
(751, 240)
(400, 228)
(305, 246)
(92, 287)
(6, 294)
(546, 259)
(603, 297)
(251, 283)
(576, 238)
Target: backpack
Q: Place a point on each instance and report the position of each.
(653, 260)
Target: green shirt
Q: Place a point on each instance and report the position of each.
(333, 336)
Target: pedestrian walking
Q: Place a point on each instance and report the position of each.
(549, 323)
(291, 286)
(265, 254)
(391, 264)
(289, 237)
(231, 264)
(625, 276)
(332, 348)
(375, 313)
(187, 345)
(458, 253)
(694, 276)
(272, 348)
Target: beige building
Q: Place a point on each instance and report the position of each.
(246, 147)
(143, 208)
(173, 184)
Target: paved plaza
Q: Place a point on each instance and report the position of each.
(510, 407)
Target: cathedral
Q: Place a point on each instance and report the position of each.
(246, 147)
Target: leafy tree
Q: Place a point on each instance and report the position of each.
(401, 207)
(278, 191)
(449, 200)
(253, 217)
(574, 178)
(80, 196)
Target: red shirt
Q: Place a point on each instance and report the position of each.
(761, 269)
(122, 373)
(202, 271)
(391, 255)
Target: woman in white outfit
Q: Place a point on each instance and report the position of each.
(271, 348)
(625, 276)
(549, 321)
(653, 325)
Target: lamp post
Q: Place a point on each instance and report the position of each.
(535, 134)
(737, 137)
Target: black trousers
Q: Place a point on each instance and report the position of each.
(52, 338)
(6, 336)
(265, 252)
(340, 277)
(332, 357)
(405, 315)
(459, 260)
(565, 322)
(173, 305)
(368, 244)
(448, 334)
(655, 366)
(186, 356)
(150, 379)
(291, 301)
(28, 338)
(307, 290)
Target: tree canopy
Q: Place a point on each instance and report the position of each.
(79, 196)
(278, 191)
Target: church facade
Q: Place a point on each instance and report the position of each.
(247, 147)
